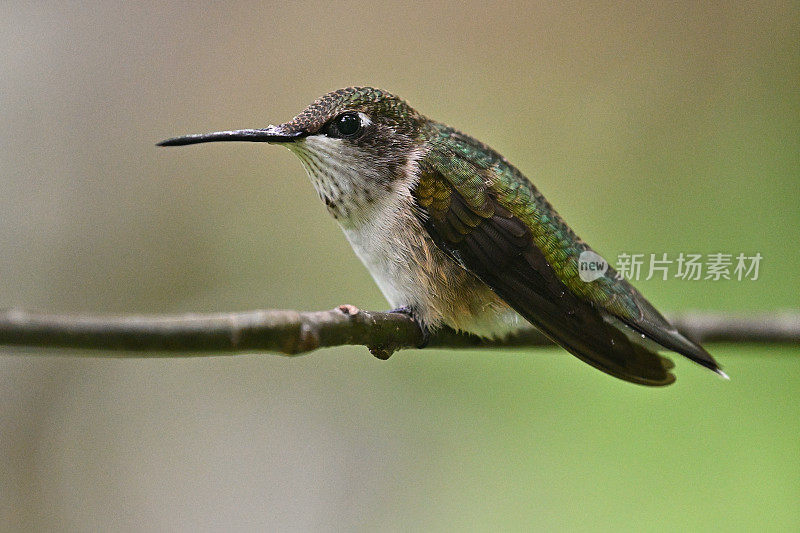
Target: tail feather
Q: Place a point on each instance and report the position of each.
(653, 324)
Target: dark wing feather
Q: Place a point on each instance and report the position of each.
(500, 251)
(488, 217)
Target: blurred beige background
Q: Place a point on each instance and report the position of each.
(652, 129)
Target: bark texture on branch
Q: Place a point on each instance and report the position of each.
(294, 332)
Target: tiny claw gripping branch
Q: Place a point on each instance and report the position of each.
(426, 333)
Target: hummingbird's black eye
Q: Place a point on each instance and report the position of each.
(345, 125)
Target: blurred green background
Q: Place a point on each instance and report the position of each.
(651, 129)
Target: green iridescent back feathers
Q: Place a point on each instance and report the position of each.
(476, 171)
(474, 188)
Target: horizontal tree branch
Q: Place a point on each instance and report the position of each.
(294, 332)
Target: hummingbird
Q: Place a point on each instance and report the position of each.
(455, 235)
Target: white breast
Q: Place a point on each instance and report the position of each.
(412, 271)
(388, 244)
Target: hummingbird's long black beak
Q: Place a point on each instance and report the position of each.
(270, 134)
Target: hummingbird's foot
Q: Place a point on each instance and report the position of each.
(409, 312)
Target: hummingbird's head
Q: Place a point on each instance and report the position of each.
(358, 145)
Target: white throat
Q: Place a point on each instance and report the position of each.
(355, 190)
